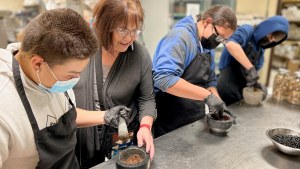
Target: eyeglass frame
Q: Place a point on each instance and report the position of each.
(126, 32)
(219, 38)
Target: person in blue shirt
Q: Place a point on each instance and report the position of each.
(243, 56)
(183, 68)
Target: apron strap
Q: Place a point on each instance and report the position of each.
(99, 82)
(69, 99)
(99, 79)
(252, 54)
(22, 94)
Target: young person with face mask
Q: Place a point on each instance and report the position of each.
(119, 74)
(183, 68)
(38, 119)
(243, 55)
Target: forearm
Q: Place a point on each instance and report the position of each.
(214, 91)
(238, 53)
(86, 118)
(184, 89)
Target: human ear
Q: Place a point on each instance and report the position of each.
(207, 21)
(36, 62)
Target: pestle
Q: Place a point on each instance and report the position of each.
(122, 129)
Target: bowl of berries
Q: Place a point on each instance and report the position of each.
(285, 140)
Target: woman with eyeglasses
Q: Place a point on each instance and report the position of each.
(243, 56)
(119, 74)
(183, 68)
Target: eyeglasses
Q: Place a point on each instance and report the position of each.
(125, 32)
(219, 38)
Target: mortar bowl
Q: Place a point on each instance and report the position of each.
(253, 96)
(133, 157)
(220, 127)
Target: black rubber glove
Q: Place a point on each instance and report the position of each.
(111, 116)
(263, 88)
(215, 105)
(251, 76)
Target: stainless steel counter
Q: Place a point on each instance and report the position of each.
(245, 147)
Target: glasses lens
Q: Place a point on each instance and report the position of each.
(122, 32)
(135, 32)
(125, 32)
(138, 32)
(220, 39)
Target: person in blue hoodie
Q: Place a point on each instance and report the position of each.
(243, 56)
(183, 68)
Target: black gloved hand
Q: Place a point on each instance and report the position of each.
(215, 105)
(263, 88)
(111, 116)
(251, 76)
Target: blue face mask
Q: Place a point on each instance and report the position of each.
(59, 86)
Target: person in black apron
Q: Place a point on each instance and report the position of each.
(183, 71)
(55, 143)
(178, 111)
(243, 56)
(49, 140)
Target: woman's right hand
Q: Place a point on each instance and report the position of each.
(111, 116)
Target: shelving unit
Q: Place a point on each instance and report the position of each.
(287, 54)
(181, 8)
(288, 50)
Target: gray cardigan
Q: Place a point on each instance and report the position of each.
(128, 83)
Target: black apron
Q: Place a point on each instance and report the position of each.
(55, 144)
(231, 80)
(174, 112)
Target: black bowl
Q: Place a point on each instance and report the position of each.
(129, 152)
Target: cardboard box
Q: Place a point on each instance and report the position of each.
(293, 65)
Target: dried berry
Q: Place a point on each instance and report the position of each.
(288, 140)
(224, 117)
(133, 159)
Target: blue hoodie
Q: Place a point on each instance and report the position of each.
(175, 52)
(247, 33)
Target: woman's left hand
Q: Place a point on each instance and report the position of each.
(144, 136)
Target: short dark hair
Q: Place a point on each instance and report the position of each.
(109, 14)
(58, 35)
(221, 16)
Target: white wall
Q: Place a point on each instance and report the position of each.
(157, 22)
(257, 7)
(13, 5)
